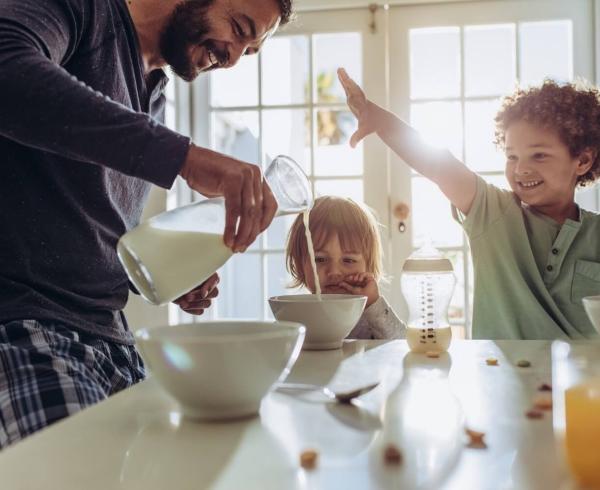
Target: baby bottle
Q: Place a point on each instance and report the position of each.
(427, 283)
(173, 252)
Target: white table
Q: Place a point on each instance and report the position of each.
(137, 439)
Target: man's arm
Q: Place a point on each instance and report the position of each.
(45, 107)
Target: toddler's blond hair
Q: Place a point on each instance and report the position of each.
(354, 224)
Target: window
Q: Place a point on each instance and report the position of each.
(290, 102)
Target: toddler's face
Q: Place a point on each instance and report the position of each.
(539, 167)
(333, 265)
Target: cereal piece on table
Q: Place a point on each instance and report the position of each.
(524, 363)
(392, 455)
(545, 387)
(534, 414)
(308, 459)
(475, 439)
(491, 361)
(432, 353)
(542, 402)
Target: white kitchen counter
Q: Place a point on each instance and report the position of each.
(137, 439)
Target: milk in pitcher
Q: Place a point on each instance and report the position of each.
(157, 268)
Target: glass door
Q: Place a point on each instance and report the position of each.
(449, 66)
(287, 100)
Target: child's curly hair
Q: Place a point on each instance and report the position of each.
(571, 109)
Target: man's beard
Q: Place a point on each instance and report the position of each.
(187, 27)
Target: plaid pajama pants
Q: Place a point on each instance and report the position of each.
(48, 371)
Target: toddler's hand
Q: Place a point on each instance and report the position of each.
(360, 107)
(362, 283)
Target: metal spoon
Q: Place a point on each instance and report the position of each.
(340, 396)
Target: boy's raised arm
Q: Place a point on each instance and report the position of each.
(452, 176)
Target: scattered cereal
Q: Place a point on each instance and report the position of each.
(491, 361)
(432, 353)
(392, 455)
(308, 459)
(534, 414)
(523, 363)
(542, 402)
(475, 439)
(545, 387)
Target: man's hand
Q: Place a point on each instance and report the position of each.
(363, 284)
(248, 198)
(360, 106)
(200, 298)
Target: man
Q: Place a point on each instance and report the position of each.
(81, 91)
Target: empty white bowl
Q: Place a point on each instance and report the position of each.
(223, 369)
(592, 308)
(327, 322)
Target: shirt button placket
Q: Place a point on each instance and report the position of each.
(551, 264)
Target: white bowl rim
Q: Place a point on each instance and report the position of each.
(153, 334)
(595, 297)
(295, 298)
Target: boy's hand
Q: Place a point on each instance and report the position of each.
(362, 283)
(200, 298)
(360, 107)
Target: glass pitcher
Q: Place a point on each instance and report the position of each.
(427, 283)
(173, 252)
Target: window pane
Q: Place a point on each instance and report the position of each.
(432, 216)
(440, 124)
(236, 134)
(170, 115)
(456, 311)
(236, 86)
(287, 132)
(333, 154)
(434, 62)
(352, 188)
(240, 290)
(278, 231)
(277, 278)
(588, 197)
(332, 51)
(546, 51)
(284, 62)
(490, 67)
(170, 118)
(481, 152)
(498, 180)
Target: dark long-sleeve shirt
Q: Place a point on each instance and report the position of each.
(80, 143)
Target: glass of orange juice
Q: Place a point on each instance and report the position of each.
(576, 401)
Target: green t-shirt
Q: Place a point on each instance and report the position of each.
(530, 272)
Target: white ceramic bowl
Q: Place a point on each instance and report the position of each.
(592, 308)
(327, 322)
(221, 370)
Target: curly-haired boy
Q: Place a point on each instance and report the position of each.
(535, 252)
